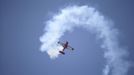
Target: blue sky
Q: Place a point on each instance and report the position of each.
(22, 23)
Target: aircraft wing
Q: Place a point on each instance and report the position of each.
(61, 43)
(69, 47)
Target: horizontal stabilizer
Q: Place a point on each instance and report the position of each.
(62, 52)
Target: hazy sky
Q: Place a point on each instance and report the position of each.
(22, 23)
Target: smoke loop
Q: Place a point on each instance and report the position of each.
(90, 19)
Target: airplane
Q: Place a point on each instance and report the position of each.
(65, 46)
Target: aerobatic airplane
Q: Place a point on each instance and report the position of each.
(65, 46)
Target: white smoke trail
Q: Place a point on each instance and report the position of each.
(89, 18)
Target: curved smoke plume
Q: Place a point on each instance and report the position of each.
(90, 19)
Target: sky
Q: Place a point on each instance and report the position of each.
(22, 23)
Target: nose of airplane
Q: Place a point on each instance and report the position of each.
(67, 42)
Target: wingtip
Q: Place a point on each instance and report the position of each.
(72, 48)
(58, 42)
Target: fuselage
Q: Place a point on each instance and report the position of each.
(65, 46)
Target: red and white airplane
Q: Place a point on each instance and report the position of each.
(65, 46)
